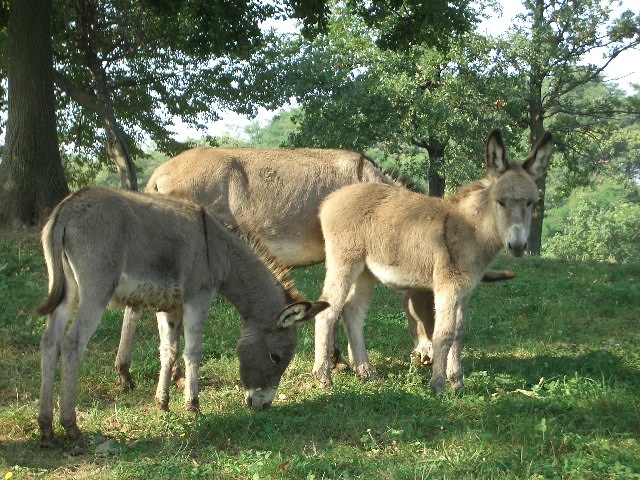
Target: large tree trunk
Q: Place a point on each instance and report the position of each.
(32, 180)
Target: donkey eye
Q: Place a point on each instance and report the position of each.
(502, 203)
(529, 203)
(275, 358)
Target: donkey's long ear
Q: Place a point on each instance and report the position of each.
(495, 154)
(538, 159)
(299, 312)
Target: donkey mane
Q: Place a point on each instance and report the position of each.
(401, 179)
(470, 188)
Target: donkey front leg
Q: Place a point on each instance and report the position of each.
(123, 357)
(443, 335)
(454, 361)
(169, 325)
(325, 323)
(193, 319)
(354, 313)
(338, 281)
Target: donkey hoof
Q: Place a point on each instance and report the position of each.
(125, 383)
(323, 379)
(192, 405)
(338, 363)
(457, 386)
(163, 405)
(366, 373)
(438, 387)
(177, 377)
(420, 359)
(47, 438)
(74, 435)
(179, 383)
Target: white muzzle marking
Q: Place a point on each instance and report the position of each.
(261, 397)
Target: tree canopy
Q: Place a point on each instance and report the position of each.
(356, 92)
(402, 78)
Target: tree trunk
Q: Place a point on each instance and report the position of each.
(117, 150)
(116, 146)
(436, 179)
(32, 180)
(536, 124)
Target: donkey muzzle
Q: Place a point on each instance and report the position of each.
(260, 397)
(517, 240)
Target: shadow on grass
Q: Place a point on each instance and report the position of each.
(599, 365)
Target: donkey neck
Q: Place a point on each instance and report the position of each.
(473, 205)
(256, 284)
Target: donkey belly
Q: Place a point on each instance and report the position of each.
(297, 252)
(395, 276)
(147, 295)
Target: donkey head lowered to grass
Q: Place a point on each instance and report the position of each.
(149, 252)
(436, 250)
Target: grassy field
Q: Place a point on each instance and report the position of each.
(552, 376)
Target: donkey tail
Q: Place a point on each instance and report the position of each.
(52, 245)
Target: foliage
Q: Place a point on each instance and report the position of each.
(151, 62)
(276, 133)
(356, 95)
(405, 23)
(145, 166)
(552, 391)
(599, 222)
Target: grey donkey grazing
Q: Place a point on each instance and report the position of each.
(437, 249)
(106, 247)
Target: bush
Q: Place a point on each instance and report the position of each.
(601, 223)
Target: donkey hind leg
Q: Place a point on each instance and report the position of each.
(194, 317)
(354, 313)
(338, 363)
(338, 281)
(454, 360)
(419, 310)
(49, 354)
(85, 323)
(123, 357)
(169, 327)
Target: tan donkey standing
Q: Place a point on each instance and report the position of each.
(416, 243)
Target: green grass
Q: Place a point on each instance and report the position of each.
(552, 390)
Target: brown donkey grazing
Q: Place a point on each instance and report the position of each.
(106, 247)
(273, 192)
(425, 246)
